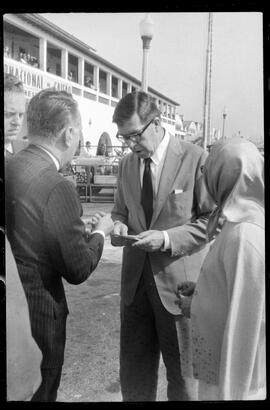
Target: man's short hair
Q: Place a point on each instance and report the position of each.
(12, 84)
(137, 102)
(50, 111)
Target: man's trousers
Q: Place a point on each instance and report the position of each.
(148, 329)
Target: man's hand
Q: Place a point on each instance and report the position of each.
(120, 228)
(186, 288)
(150, 241)
(184, 304)
(91, 221)
(184, 295)
(104, 223)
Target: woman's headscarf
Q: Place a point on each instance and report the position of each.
(234, 177)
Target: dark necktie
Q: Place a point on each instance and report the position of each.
(147, 192)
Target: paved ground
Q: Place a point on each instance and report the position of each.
(91, 368)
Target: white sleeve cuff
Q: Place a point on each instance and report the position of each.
(167, 244)
(98, 231)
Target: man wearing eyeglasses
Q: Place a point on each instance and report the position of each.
(160, 199)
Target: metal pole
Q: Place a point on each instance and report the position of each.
(146, 46)
(210, 77)
(206, 90)
(223, 128)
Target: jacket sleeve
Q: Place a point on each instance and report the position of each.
(119, 211)
(73, 253)
(191, 237)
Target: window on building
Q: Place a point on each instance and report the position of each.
(133, 89)
(124, 88)
(114, 91)
(169, 111)
(73, 63)
(89, 75)
(173, 112)
(20, 45)
(165, 109)
(53, 59)
(103, 81)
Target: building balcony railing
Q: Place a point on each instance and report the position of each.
(36, 79)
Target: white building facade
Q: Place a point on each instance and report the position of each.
(42, 55)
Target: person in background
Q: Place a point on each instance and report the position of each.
(70, 76)
(44, 226)
(14, 110)
(228, 304)
(160, 198)
(88, 82)
(22, 57)
(29, 58)
(6, 51)
(23, 354)
(87, 149)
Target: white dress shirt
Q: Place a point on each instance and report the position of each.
(9, 148)
(55, 160)
(158, 159)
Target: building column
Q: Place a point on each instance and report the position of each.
(43, 54)
(64, 63)
(119, 88)
(109, 84)
(81, 71)
(96, 77)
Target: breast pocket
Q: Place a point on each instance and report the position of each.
(180, 202)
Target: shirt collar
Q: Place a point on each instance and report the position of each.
(161, 149)
(55, 160)
(9, 148)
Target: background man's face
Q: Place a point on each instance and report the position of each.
(76, 125)
(147, 143)
(14, 109)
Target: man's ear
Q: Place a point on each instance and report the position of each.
(67, 136)
(157, 121)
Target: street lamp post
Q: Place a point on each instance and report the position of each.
(146, 31)
(224, 118)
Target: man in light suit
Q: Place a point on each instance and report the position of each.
(44, 226)
(23, 354)
(14, 109)
(164, 202)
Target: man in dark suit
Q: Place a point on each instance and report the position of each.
(160, 197)
(44, 226)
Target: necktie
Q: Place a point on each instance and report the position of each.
(147, 192)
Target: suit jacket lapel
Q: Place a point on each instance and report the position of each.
(135, 188)
(169, 172)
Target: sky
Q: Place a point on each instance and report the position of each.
(176, 65)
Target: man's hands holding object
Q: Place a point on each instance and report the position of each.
(149, 241)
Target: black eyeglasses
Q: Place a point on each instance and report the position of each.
(135, 136)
